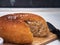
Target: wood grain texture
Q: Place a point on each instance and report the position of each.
(40, 41)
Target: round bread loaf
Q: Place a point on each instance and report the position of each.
(12, 25)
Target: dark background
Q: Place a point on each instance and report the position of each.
(31, 3)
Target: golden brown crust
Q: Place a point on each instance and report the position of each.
(30, 17)
(14, 31)
(15, 24)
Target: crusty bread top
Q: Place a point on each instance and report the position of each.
(22, 17)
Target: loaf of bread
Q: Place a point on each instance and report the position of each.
(22, 27)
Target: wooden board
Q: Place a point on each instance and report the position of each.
(40, 41)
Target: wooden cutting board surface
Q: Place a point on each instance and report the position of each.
(40, 41)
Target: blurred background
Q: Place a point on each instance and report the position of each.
(30, 3)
